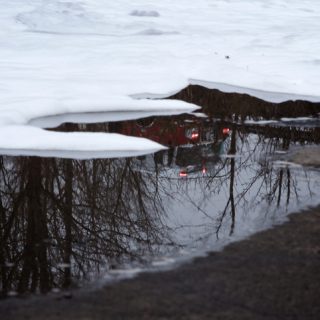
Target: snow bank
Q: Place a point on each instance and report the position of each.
(36, 141)
(95, 56)
(100, 117)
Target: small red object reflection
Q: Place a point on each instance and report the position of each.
(225, 130)
(183, 173)
(194, 135)
(204, 170)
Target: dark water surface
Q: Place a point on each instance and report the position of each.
(66, 222)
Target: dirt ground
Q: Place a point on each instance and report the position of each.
(273, 275)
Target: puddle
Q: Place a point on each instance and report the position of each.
(69, 222)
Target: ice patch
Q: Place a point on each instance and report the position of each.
(297, 119)
(26, 140)
(119, 274)
(17, 138)
(156, 32)
(144, 13)
(163, 262)
(98, 117)
(230, 156)
(22, 112)
(57, 16)
(64, 265)
(285, 164)
(260, 122)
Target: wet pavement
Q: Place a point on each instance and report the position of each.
(227, 173)
(272, 275)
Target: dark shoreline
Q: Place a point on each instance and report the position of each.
(272, 275)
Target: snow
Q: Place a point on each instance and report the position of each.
(270, 96)
(36, 141)
(144, 13)
(297, 119)
(100, 117)
(260, 122)
(60, 57)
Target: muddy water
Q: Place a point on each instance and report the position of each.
(66, 222)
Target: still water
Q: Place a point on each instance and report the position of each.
(66, 223)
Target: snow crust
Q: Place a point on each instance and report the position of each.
(100, 117)
(36, 141)
(60, 57)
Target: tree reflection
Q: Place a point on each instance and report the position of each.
(220, 104)
(64, 221)
(58, 215)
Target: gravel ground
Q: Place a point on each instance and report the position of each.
(272, 275)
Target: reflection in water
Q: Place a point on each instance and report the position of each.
(61, 213)
(63, 222)
(219, 104)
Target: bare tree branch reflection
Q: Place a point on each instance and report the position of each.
(66, 221)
